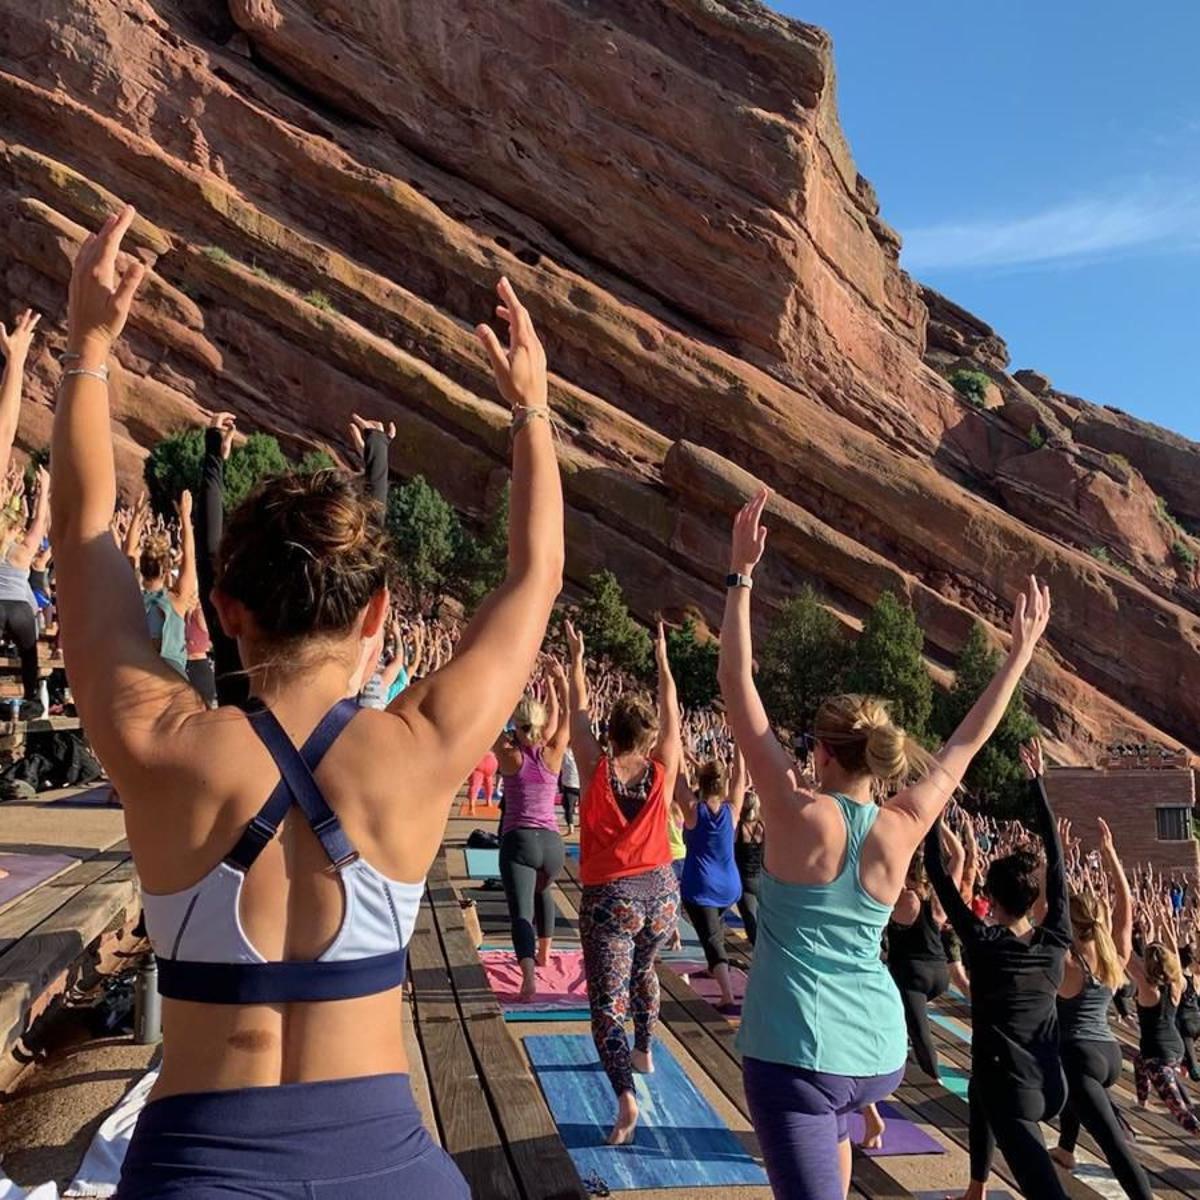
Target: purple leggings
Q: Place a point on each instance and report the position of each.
(800, 1116)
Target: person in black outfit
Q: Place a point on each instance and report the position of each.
(233, 684)
(1188, 1018)
(1016, 969)
(916, 954)
(748, 854)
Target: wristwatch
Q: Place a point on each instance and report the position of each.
(733, 579)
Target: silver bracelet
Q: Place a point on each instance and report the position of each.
(100, 373)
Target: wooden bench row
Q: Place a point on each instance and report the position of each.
(47, 935)
(489, 1110)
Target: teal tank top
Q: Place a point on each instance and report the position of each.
(167, 627)
(819, 995)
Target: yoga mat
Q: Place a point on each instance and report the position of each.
(547, 1014)
(26, 871)
(706, 987)
(955, 1080)
(680, 1141)
(482, 864)
(101, 796)
(561, 982)
(690, 949)
(487, 812)
(900, 1137)
(942, 1193)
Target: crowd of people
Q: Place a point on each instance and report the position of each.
(217, 659)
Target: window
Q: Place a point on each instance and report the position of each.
(1173, 824)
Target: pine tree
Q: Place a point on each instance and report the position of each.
(608, 628)
(995, 778)
(693, 664)
(889, 663)
(427, 536)
(803, 661)
(480, 563)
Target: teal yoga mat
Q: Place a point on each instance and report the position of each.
(680, 1141)
(482, 864)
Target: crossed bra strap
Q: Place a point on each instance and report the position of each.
(296, 786)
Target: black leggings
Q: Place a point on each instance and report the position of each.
(711, 930)
(747, 908)
(1008, 1116)
(1091, 1069)
(203, 678)
(1189, 1030)
(919, 981)
(570, 804)
(18, 623)
(530, 861)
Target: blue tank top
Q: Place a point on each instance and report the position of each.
(710, 874)
(166, 627)
(819, 995)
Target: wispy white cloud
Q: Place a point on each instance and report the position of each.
(1140, 218)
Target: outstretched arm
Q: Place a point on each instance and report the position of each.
(737, 784)
(372, 438)
(132, 546)
(669, 750)
(103, 620)
(22, 554)
(15, 346)
(583, 740)
(454, 714)
(1057, 921)
(772, 768)
(960, 916)
(187, 586)
(1122, 912)
(558, 725)
(912, 811)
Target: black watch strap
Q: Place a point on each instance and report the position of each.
(733, 579)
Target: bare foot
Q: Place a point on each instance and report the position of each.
(1064, 1158)
(528, 980)
(543, 951)
(643, 1061)
(874, 1127)
(627, 1116)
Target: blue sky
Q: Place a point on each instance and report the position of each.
(1042, 162)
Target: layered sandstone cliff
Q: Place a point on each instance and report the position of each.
(329, 188)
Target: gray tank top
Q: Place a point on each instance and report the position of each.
(1084, 1017)
(14, 585)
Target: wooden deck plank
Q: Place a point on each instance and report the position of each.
(26, 912)
(464, 1118)
(51, 947)
(542, 1165)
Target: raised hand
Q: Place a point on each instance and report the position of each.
(102, 287)
(226, 422)
(1031, 615)
(360, 427)
(1107, 845)
(520, 369)
(660, 646)
(16, 344)
(574, 642)
(1031, 758)
(749, 536)
(184, 506)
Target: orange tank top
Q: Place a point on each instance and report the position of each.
(610, 845)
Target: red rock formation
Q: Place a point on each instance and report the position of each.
(667, 183)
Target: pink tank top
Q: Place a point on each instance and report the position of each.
(529, 795)
(195, 633)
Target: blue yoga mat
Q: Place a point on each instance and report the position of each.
(547, 1014)
(955, 1080)
(680, 1140)
(482, 864)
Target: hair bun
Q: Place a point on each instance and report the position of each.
(887, 750)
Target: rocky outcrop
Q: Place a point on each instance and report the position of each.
(329, 189)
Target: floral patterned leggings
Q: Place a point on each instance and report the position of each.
(1164, 1077)
(623, 925)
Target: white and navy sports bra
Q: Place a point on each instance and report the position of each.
(203, 952)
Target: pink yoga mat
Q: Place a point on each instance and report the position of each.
(561, 983)
(706, 987)
(26, 871)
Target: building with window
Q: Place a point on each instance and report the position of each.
(1150, 810)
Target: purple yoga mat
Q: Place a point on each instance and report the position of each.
(899, 1137)
(706, 987)
(100, 796)
(942, 1193)
(26, 871)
